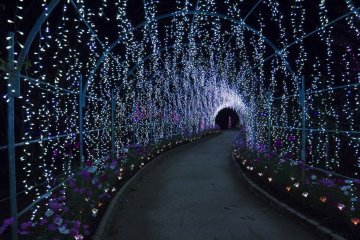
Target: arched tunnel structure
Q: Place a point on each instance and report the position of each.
(89, 81)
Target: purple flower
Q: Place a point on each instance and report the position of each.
(277, 143)
(288, 155)
(77, 224)
(261, 148)
(291, 138)
(74, 231)
(61, 198)
(43, 222)
(89, 163)
(85, 175)
(66, 209)
(7, 222)
(55, 206)
(113, 164)
(72, 182)
(104, 177)
(26, 225)
(52, 227)
(23, 232)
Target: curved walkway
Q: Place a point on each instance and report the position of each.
(194, 194)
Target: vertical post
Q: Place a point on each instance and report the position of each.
(255, 128)
(327, 148)
(255, 124)
(12, 74)
(269, 121)
(81, 125)
(303, 130)
(134, 129)
(113, 151)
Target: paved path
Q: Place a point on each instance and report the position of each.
(194, 194)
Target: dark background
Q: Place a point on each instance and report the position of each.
(222, 118)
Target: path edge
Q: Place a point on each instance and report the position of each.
(258, 191)
(103, 227)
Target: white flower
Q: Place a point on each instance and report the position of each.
(78, 237)
(63, 230)
(49, 213)
(94, 212)
(92, 169)
(58, 221)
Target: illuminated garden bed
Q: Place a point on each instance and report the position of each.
(328, 198)
(73, 210)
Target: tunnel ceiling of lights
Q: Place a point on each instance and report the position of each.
(146, 70)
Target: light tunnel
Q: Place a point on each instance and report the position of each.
(86, 82)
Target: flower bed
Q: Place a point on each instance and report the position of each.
(328, 198)
(74, 210)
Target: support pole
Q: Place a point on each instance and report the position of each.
(269, 121)
(303, 130)
(113, 105)
(255, 124)
(81, 125)
(255, 128)
(12, 93)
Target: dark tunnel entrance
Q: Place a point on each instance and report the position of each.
(227, 118)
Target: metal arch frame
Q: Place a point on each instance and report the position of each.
(244, 19)
(149, 56)
(34, 31)
(179, 13)
(40, 21)
(51, 6)
(354, 11)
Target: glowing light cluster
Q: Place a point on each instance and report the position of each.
(172, 73)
